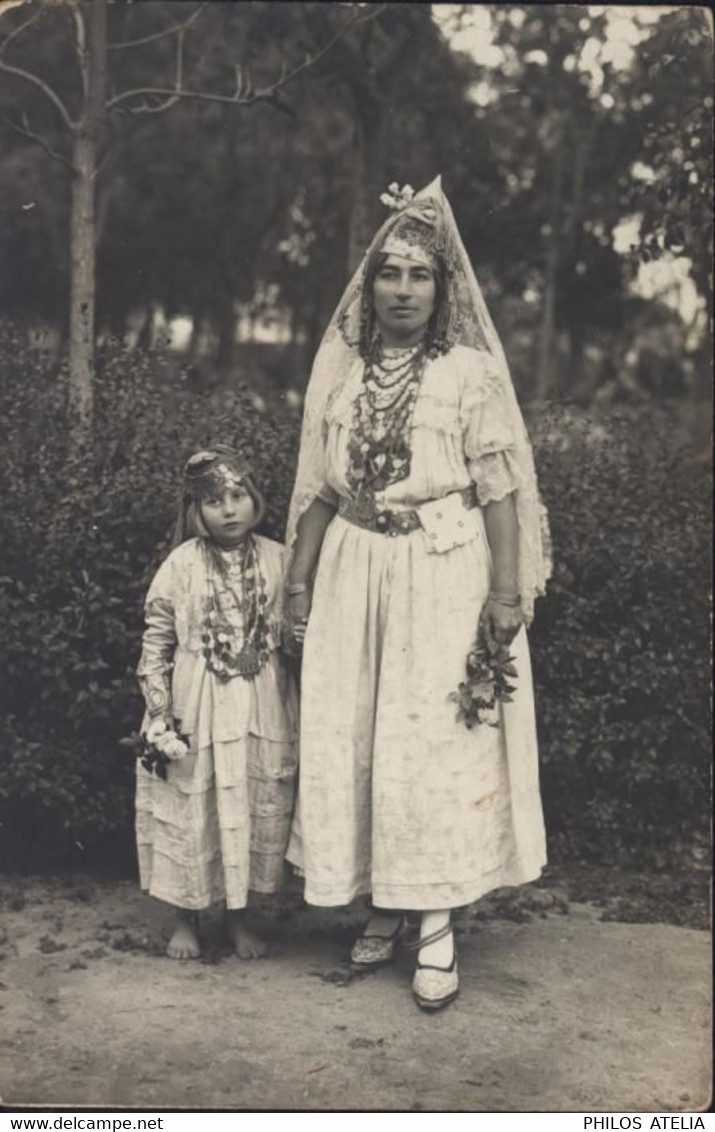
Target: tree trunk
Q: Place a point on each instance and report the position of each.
(82, 287)
(193, 349)
(359, 211)
(83, 235)
(225, 320)
(547, 362)
(314, 329)
(145, 337)
(366, 158)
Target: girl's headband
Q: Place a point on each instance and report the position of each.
(215, 470)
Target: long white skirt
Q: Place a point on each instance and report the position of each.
(396, 797)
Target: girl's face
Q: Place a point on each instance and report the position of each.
(404, 297)
(228, 515)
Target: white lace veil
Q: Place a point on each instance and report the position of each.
(469, 324)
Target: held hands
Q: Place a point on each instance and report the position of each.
(298, 612)
(502, 620)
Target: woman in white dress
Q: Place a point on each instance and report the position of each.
(415, 516)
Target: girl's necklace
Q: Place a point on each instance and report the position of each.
(220, 638)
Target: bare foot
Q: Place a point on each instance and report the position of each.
(246, 943)
(184, 943)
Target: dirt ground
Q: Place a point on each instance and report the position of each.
(561, 1009)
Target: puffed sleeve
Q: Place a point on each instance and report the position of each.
(159, 641)
(487, 430)
(328, 495)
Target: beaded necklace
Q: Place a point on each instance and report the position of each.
(379, 452)
(221, 636)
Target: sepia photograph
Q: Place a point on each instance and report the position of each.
(356, 405)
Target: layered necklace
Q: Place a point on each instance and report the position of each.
(379, 452)
(229, 650)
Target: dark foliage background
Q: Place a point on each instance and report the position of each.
(545, 150)
(251, 218)
(620, 644)
(81, 534)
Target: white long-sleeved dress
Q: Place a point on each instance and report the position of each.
(396, 797)
(218, 826)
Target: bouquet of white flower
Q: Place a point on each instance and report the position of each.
(166, 740)
(161, 745)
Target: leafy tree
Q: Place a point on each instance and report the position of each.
(673, 96)
(82, 96)
(566, 133)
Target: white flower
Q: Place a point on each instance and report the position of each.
(171, 745)
(176, 749)
(222, 637)
(156, 728)
(397, 198)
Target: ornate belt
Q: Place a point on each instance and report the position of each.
(387, 522)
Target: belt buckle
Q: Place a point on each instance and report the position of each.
(393, 523)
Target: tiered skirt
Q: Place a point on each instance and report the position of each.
(218, 826)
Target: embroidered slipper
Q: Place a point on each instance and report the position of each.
(434, 987)
(372, 951)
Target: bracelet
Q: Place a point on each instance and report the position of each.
(510, 600)
(297, 588)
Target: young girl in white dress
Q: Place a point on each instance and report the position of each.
(215, 790)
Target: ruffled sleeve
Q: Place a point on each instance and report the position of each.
(487, 430)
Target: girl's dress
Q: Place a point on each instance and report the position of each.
(218, 826)
(396, 797)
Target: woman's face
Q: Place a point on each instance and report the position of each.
(228, 515)
(404, 297)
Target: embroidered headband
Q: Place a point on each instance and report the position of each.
(214, 471)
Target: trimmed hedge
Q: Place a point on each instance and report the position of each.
(81, 535)
(620, 645)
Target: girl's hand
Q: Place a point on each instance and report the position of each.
(298, 614)
(501, 623)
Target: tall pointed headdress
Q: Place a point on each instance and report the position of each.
(425, 223)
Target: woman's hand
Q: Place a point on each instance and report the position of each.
(298, 614)
(501, 623)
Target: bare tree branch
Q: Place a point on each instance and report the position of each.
(244, 95)
(27, 132)
(44, 87)
(163, 34)
(81, 38)
(19, 29)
